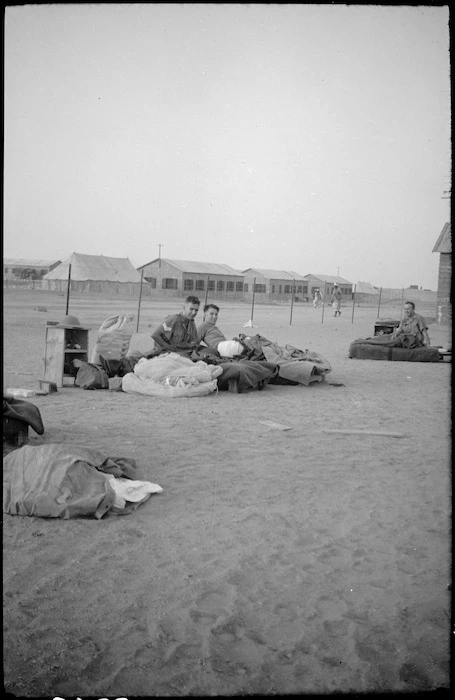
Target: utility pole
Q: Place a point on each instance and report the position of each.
(160, 245)
(338, 271)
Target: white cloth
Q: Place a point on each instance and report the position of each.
(130, 490)
(230, 348)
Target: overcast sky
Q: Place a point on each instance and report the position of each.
(312, 138)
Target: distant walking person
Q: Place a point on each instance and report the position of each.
(336, 300)
(317, 298)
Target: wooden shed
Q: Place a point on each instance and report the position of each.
(443, 246)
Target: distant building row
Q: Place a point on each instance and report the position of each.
(183, 277)
(179, 278)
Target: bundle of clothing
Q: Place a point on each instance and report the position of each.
(68, 481)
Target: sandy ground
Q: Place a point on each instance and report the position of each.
(274, 562)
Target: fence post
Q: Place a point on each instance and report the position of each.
(379, 302)
(252, 304)
(292, 301)
(207, 290)
(353, 303)
(139, 304)
(323, 302)
(68, 290)
(402, 299)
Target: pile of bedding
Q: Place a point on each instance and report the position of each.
(170, 375)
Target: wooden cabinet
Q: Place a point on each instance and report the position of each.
(63, 345)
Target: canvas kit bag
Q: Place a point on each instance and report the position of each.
(91, 376)
(114, 338)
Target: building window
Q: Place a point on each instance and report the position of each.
(188, 285)
(304, 290)
(200, 285)
(229, 286)
(151, 281)
(273, 289)
(220, 286)
(261, 288)
(211, 285)
(245, 287)
(300, 289)
(239, 286)
(288, 289)
(169, 283)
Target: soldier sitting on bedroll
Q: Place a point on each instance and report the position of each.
(209, 333)
(413, 329)
(411, 333)
(178, 332)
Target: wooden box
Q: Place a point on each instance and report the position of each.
(62, 346)
(385, 326)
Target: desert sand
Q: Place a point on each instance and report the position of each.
(274, 561)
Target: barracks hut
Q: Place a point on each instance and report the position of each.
(274, 285)
(179, 278)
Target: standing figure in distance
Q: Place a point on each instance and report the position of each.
(336, 300)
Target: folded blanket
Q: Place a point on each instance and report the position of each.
(246, 374)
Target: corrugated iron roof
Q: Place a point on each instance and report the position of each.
(198, 268)
(33, 262)
(274, 274)
(444, 242)
(98, 268)
(329, 278)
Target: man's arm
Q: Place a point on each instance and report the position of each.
(424, 329)
(201, 331)
(398, 330)
(161, 336)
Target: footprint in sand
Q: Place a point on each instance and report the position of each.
(235, 649)
(212, 604)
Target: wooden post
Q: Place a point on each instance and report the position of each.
(68, 290)
(292, 301)
(139, 304)
(252, 305)
(402, 299)
(323, 302)
(379, 302)
(353, 303)
(207, 290)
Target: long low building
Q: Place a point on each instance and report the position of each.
(25, 268)
(325, 284)
(274, 285)
(178, 278)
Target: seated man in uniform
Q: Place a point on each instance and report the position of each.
(413, 330)
(209, 333)
(178, 332)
